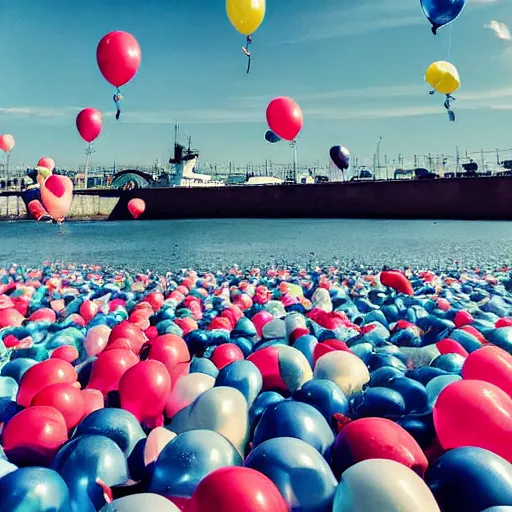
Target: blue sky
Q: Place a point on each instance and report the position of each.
(355, 67)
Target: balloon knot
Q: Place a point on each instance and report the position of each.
(339, 421)
(434, 30)
(107, 491)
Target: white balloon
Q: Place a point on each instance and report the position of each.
(276, 328)
(186, 390)
(344, 369)
(378, 485)
(146, 502)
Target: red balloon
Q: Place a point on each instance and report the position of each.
(503, 322)
(88, 310)
(396, 280)
(89, 124)
(462, 318)
(47, 163)
(43, 315)
(474, 413)
(108, 369)
(34, 436)
(11, 317)
(388, 441)
(172, 351)
(236, 488)
(449, 346)
(144, 389)
(284, 117)
(66, 398)
(156, 300)
(491, 364)
(93, 400)
(267, 361)
(41, 375)
(118, 55)
(130, 332)
(226, 354)
(66, 353)
(328, 346)
(136, 207)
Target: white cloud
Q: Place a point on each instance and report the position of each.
(500, 29)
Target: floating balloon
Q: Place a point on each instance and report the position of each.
(7, 143)
(47, 163)
(271, 137)
(89, 124)
(284, 117)
(441, 12)
(246, 16)
(118, 55)
(233, 489)
(340, 157)
(136, 207)
(371, 486)
(443, 77)
(57, 196)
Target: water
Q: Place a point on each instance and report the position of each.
(218, 244)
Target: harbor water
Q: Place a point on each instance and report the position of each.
(219, 244)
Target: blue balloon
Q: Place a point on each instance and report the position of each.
(188, 458)
(451, 363)
(441, 12)
(271, 137)
(203, 365)
(84, 459)
(244, 376)
(379, 401)
(323, 395)
(340, 157)
(470, 479)
(306, 344)
(300, 473)
(295, 419)
(34, 488)
(413, 393)
(260, 405)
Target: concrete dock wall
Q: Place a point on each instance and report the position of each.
(465, 199)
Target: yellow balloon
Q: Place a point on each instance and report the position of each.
(246, 15)
(443, 77)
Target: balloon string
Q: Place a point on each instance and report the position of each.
(247, 52)
(449, 43)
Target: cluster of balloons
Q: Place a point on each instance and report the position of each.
(263, 391)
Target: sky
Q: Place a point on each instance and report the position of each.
(355, 67)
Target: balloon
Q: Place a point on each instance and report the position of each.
(41, 375)
(225, 354)
(186, 390)
(443, 77)
(388, 441)
(108, 369)
(172, 351)
(64, 397)
(67, 353)
(344, 369)
(470, 480)
(89, 124)
(442, 12)
(246, 15)
(284, 118)
(85, 459)
(144, 501)
(130, 334)
(93, 401)
(437, 384)
(47, 163)
(223, 410)
(38, 489)
(34, 435)
(234, 489)
(301, 474)
(7, 143)
(244, 376)
(57, 195)
(136, 207)
(154, 379)
(466, 409)
(491, 364)
(157, 440)
(371, 486)
(294, 419)
(396, 280)
(340, 157)
(271, 137)
(96, 339)
(188, 458)
(118, 55)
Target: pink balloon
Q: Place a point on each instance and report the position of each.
(118, 55)
(89, 124)
(96, 339)
(284, 117)
(47, 163)
(93, 400)
(57, 195)
(136, 207)
(157, 440)
(7, 142)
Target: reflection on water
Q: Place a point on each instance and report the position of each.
(212, 244)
